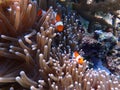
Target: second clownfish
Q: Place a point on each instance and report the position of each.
(59, 24)
(78, 57)
(41, 12)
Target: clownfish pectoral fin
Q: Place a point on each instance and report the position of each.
(59, 26)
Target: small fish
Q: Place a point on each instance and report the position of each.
(78, 57)
(41, 12)
(58, 23)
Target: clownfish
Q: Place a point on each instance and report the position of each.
(41, 12)
(78, 57)
(59, 24)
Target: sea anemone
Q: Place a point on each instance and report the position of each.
(30, 58)
(15, 16)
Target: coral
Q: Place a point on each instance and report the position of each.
(114, 62)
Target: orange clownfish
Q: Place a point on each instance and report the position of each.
(78, 57)
(40, 12)
(59, 24)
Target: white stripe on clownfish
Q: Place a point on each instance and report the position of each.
(59, 26)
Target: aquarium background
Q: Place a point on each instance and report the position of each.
(59, 45)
